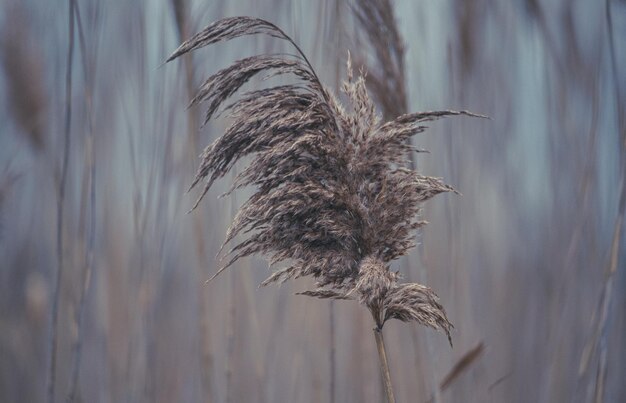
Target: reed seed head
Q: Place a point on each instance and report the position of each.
(334, 198)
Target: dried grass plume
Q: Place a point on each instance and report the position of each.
(334, 197)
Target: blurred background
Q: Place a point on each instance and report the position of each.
(102, 274)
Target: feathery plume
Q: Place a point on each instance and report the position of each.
(334, 197)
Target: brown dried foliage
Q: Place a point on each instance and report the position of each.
(334, 197)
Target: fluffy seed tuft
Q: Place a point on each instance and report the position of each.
(334, 195)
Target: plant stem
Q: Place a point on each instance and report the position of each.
(90, 170)
(53, 338)
(384, 367)
(333, 365)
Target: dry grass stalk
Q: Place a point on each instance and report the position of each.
(24, 72)
(382, 357)
(385, 74)
(90, 173)
(334, 196)
(60, 210)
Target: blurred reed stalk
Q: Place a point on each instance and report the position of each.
(385, 71)
(89, 69)
(60, 204)
(181, 13)
(334, 196)
(23, 65)
(601, 334)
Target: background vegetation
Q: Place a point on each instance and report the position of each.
(529, 262)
